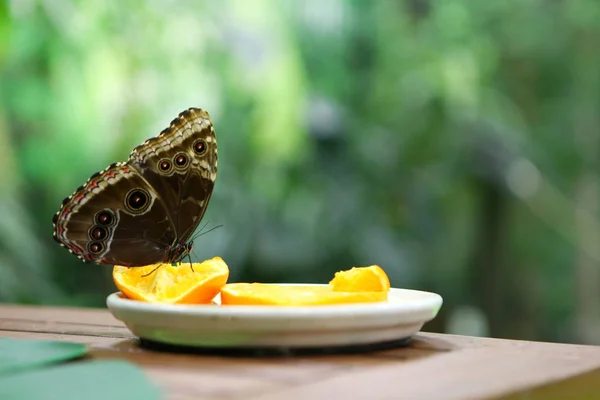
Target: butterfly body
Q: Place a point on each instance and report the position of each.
(144, 211)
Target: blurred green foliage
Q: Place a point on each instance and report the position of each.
(453, 143)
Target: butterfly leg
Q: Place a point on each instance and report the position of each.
(151, 272)
(191, 265)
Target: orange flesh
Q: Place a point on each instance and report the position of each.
(180, 285)
(361, 279)
(357, 285)
(292, 295)
(173, 284)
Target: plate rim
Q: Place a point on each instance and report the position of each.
(429, 301)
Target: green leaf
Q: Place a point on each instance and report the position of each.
(17, 355)
(90, 380)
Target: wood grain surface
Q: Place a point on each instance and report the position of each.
(432, 366)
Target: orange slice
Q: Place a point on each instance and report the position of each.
(361, 279)
(173, 284)
(293, 295)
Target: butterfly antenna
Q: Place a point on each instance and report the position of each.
(204, 233)
(204, 226)
(188, 231)
(194, 237)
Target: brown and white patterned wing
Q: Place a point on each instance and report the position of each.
(181, 165)
(117, 218)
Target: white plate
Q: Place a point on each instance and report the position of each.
(215, 326)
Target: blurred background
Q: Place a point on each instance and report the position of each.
(454, 143)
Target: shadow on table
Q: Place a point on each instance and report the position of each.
(404, 348)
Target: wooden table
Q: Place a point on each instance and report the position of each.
(433, 366)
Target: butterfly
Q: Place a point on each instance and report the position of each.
(145, 210)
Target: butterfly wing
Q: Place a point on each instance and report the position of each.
(116, 217)
(143, 211)
(181, 165)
